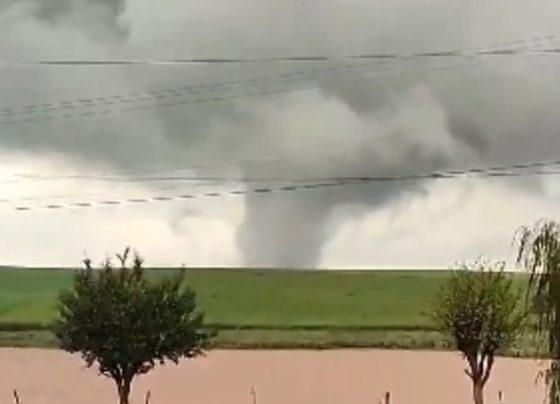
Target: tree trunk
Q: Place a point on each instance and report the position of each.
(124, 392)
(478, 392)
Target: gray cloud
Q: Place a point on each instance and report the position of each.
(99, 17)
(387, 125)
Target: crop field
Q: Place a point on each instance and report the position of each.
(260, 308)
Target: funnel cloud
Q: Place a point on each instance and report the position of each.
(394, 118)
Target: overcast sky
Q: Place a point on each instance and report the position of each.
(318, 120)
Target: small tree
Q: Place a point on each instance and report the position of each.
(479, 310)
(125, 324)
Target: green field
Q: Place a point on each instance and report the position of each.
(266, 308)
(261, 299)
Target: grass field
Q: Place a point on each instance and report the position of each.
(267, 308)
(269, 299)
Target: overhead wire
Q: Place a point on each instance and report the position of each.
(294, 185)
(124, 173)
(138, 101)
(249, 179)
(99, 193)
(204, 88)
(276, 59)
(163, 178)
(514, 170)
(139, 105)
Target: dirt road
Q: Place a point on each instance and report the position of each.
(279, 377)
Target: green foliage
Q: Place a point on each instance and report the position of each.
(479, 310)
(118, 319)
(539, 252)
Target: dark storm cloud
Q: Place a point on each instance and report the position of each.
(468, 132)
(381, 126)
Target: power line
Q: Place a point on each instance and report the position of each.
(168, 93)
(138, 101)
(268, 179)
(165, 178)
(68, 196)
(288, 58)
(124, 173)
(139, 105)
(133, 176)
(478, 172)
(298, 75)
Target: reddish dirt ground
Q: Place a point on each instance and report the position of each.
(279, 377)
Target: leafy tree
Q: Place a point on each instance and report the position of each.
(479, 310)
(115, 318)
(539, 252)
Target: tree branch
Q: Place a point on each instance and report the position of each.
(475, 373)
(480, 366)
(489, 365)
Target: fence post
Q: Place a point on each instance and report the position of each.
(388, 397)
(16, 397)
(254, 395)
